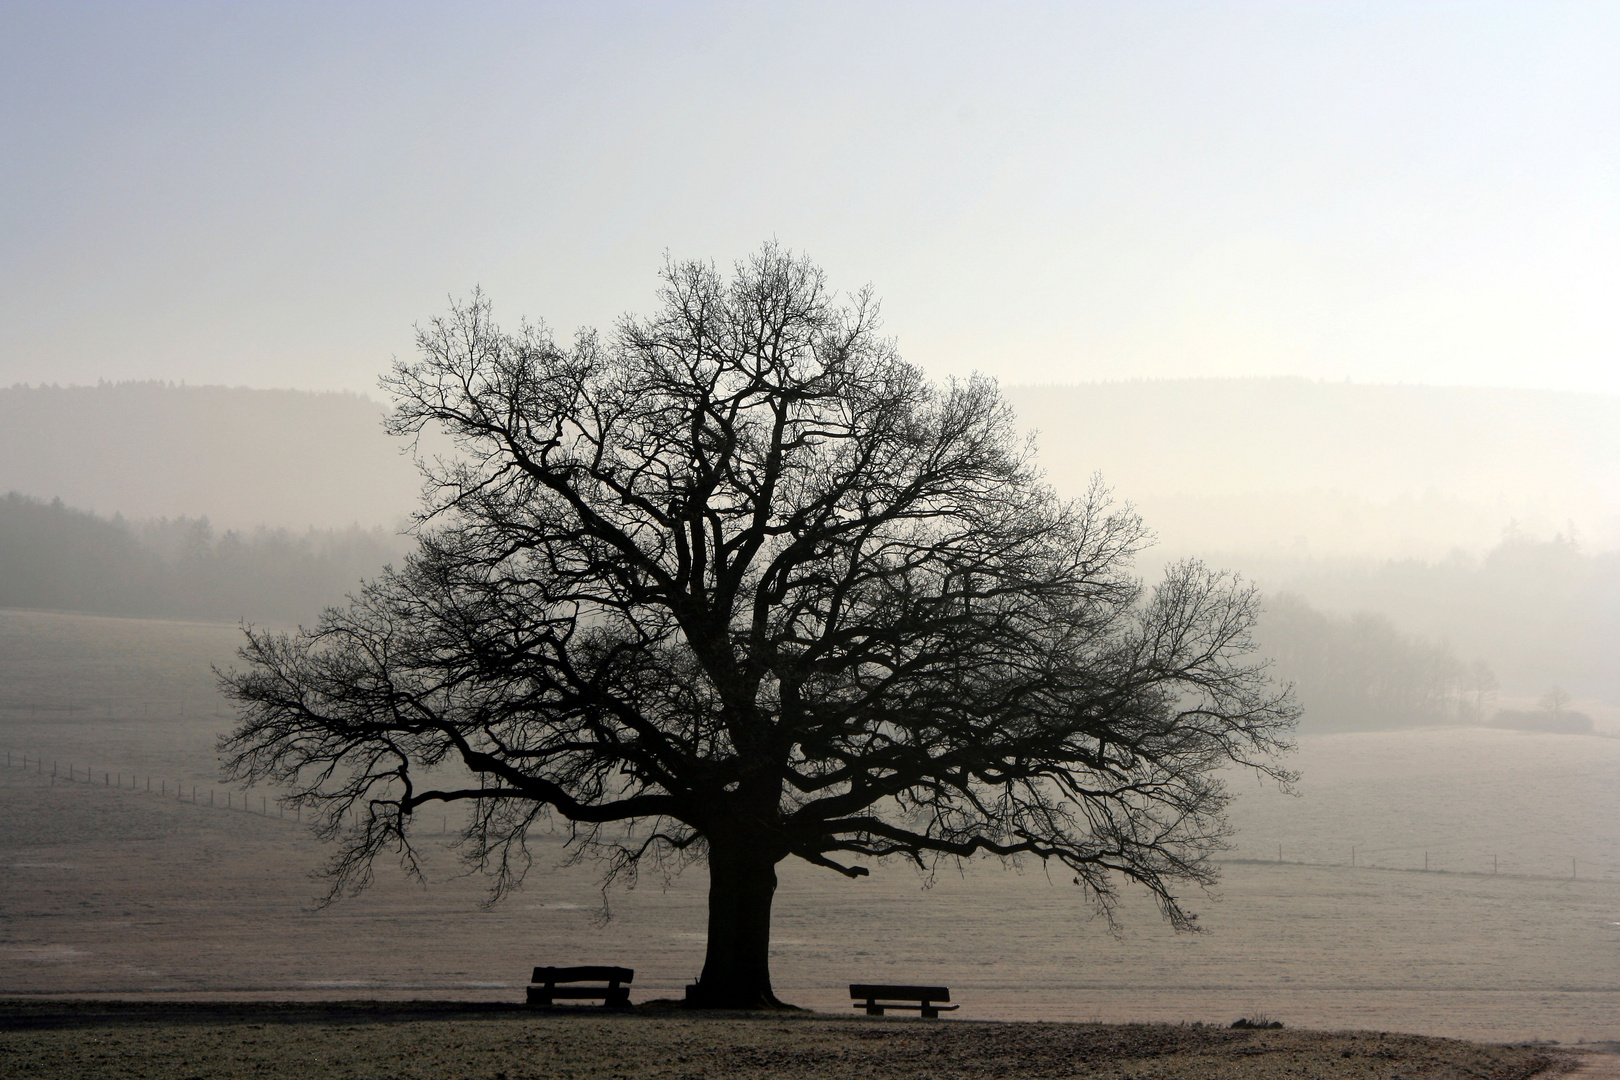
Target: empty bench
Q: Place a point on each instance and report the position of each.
(549, 985)
(924, 999)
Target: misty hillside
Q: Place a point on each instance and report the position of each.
(242, 458)
(1312, 468)
(1540, 612)
(1353, 498)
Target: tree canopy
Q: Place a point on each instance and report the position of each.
(738, 581)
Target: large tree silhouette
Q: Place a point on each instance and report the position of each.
(738, 582)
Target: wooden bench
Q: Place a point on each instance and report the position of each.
(615, 995)
(877, 997)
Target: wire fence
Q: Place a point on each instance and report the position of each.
(71, 772)
(1478, 863)
(214, 796)
(1403, 859)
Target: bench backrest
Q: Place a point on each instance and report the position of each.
(871, 991)
(554, 975)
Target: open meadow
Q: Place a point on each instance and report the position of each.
(110, 890)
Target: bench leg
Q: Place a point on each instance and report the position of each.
(873, 1010)
(928, 1013)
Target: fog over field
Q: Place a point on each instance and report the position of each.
(636, 399)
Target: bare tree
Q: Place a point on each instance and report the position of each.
(740, 583)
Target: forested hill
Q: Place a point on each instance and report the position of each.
(56, 558)
(242, 458)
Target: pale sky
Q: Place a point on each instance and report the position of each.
(272, 194)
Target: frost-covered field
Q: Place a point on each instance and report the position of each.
(117, 891)
(1467, 799)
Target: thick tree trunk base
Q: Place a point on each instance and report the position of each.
(737, 967)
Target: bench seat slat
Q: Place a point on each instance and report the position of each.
(904, 993)
(583, 974)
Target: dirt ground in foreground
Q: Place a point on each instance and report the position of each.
(58, 1039)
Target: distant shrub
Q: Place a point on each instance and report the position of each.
(1259, 1023)
(1562, 723)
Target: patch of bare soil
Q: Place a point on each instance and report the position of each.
(56, 1040)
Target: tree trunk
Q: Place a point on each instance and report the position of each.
(737, 969)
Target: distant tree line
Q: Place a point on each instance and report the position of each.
(55, 557)
(1358, 672)
(1540, 612)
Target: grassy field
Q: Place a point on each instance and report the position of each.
(113, 891)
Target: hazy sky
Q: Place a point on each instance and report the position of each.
(271, 194)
